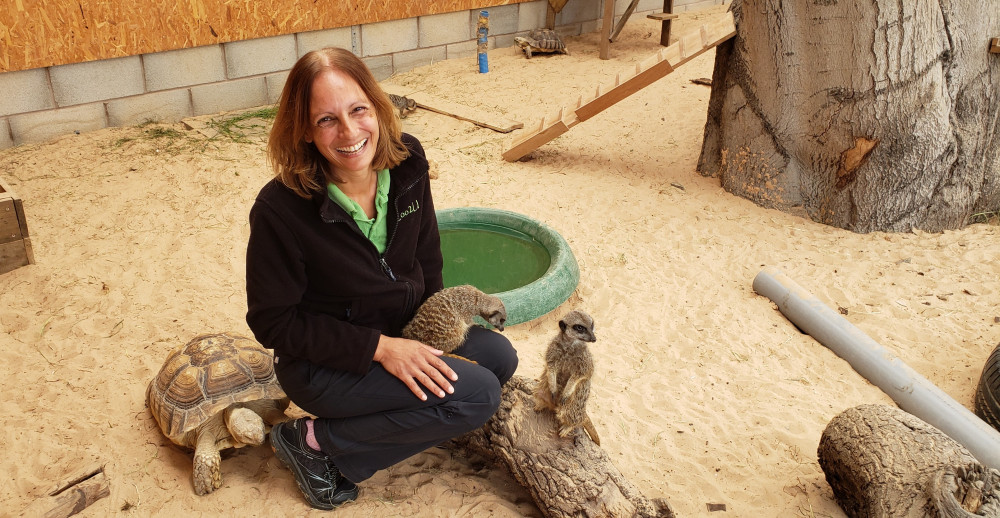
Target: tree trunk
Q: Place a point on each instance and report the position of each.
(883, 462)
(868, 115)
(566, 477)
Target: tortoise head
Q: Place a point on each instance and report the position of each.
(523, 42)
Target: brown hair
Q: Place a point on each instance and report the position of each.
(297, 163)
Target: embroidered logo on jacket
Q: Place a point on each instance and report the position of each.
(415, 206)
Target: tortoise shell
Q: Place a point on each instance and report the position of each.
(204, 377)
(546, 40)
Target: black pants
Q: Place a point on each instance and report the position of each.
(372, 421)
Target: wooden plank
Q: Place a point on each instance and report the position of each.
(628, 82)
(622, 88)
(995, 45)
(663, 16)
(13, 255)
(458, 111)
(10, 227)
(547, 131)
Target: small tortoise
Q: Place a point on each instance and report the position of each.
(218, 391)
(541, 40)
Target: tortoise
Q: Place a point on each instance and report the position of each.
(541, 40)
(218, 391)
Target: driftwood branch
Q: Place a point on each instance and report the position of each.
(883, 462)
(565, 477)
(73, 495)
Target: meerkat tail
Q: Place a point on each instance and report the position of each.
(461, 358)
(588, 425)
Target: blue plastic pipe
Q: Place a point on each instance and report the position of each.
(482, 30)
(911, 391)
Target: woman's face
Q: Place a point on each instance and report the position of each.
(344, 126)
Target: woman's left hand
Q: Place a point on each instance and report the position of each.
(416, 365)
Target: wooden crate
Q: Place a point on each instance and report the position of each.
(15, 245)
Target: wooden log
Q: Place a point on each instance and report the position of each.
(884, 462)
(566, 477)
(72, 496)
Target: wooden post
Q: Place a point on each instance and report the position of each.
(995, 45)
(609, 18)
(667, 16)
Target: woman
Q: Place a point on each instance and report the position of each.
(343, 248)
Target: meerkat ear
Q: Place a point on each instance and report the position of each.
(562, 325)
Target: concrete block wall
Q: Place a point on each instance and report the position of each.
(41, 104)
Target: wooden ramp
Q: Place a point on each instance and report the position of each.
(625, 84)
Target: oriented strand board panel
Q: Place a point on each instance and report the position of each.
(35, 33)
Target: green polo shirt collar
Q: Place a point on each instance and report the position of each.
(375, 229)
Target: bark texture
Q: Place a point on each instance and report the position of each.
(566, 477)
(868, 115)
(883, 462)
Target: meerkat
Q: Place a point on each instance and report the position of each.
(444, 319)
(564, 385)
(404, 104)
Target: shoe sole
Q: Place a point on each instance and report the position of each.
(286, 459)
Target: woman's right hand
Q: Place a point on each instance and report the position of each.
(416, 365)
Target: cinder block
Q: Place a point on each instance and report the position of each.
(81, 83)
(340, 37)
(579, 11)
(503, 20)
(260, 56)
(184, 67)
(504, 41)
(6, 141)
(388, 37)
(381, 67)
(442, 29)
(469, 49)
(588, 27)
(403, 61)
(694, 5)
(25, 91)
(165, 106)
(49, 124)
(228, 96)
(531, 15)
(649, 5)
(275, 83)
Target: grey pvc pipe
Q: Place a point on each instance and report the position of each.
(911, 391)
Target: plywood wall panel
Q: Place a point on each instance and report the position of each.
(40, 33)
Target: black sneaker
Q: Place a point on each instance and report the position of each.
(317, 476)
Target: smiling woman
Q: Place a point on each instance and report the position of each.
(343, 248)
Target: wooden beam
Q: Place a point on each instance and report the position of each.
(606, 23)
(623, 19)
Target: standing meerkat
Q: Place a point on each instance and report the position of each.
(564, 385)
(444, 319)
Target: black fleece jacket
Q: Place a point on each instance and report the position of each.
(317, 289)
